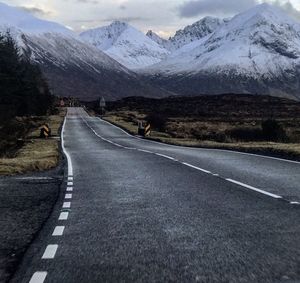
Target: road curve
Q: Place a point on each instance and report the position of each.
(132, 210)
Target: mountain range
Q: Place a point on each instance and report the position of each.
(255, 52)
(71, 66)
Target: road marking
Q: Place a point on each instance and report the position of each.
(70, 184)
(63, 216)
(195, 167)
(165, 156)
(58, 231)
(201, 148)
(294, 202)
(50, 252)
(192, 166)
(69, 189)
(68, 196)
(70, 166)
(38, 277)
(143, 150)
(70, 178)
(67, 204)
(254, 189)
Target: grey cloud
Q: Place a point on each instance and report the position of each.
(198, 7)
(289, 8)
(88, 1)
(125, 19)
(35, 11)
(123, 7)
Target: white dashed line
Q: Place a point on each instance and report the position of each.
(70, 178)
(254, 189)
(50, 252)
(294, 202)
(38, 277)
(70, 184)
(190, 165)
(63, 216)
(166, 156)
(68, 196)
(195, 167)
(69, 189)
(143, 150)
(66, 204)
(58, 231)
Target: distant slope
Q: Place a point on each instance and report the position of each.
(72, 67)
(125, 44)
(258, 51)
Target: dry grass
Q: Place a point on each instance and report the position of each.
(36, 154)
(127, 120)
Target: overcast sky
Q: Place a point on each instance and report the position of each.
(162, 16)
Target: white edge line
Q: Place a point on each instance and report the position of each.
(202, 148)
(70, 166)
(50, 252)
(38, 277)
(254, 189)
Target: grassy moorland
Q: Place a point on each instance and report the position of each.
(258, 124)
(21, 149)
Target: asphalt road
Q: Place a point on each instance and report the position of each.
(139, 211)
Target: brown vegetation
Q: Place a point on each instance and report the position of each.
(23, 150)
(260, 124)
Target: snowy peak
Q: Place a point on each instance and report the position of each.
(126, 44)
(13, 18)
(196, 31)
(264, 27)
(105, 37)
(160, 41)
(257, 51)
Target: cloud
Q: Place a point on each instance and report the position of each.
(200, 7)
(35, 11)
(194, 8)
(125, 19)
(88, 1)
(289, 8)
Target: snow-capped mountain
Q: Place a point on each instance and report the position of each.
(257, 51)
(16, 19)
(126, 45)
(159, 40)
(195, 31)
(71, 66)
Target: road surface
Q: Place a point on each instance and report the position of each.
(133, 210)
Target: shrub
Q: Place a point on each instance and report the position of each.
(273, 131)
(157, 121)
(245, 134)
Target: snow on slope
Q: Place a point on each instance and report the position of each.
(125, 44)
(195, 31)
(71, 66)
(160, 41)
(260, 41)
(16, 19)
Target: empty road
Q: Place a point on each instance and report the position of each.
(133, 210)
